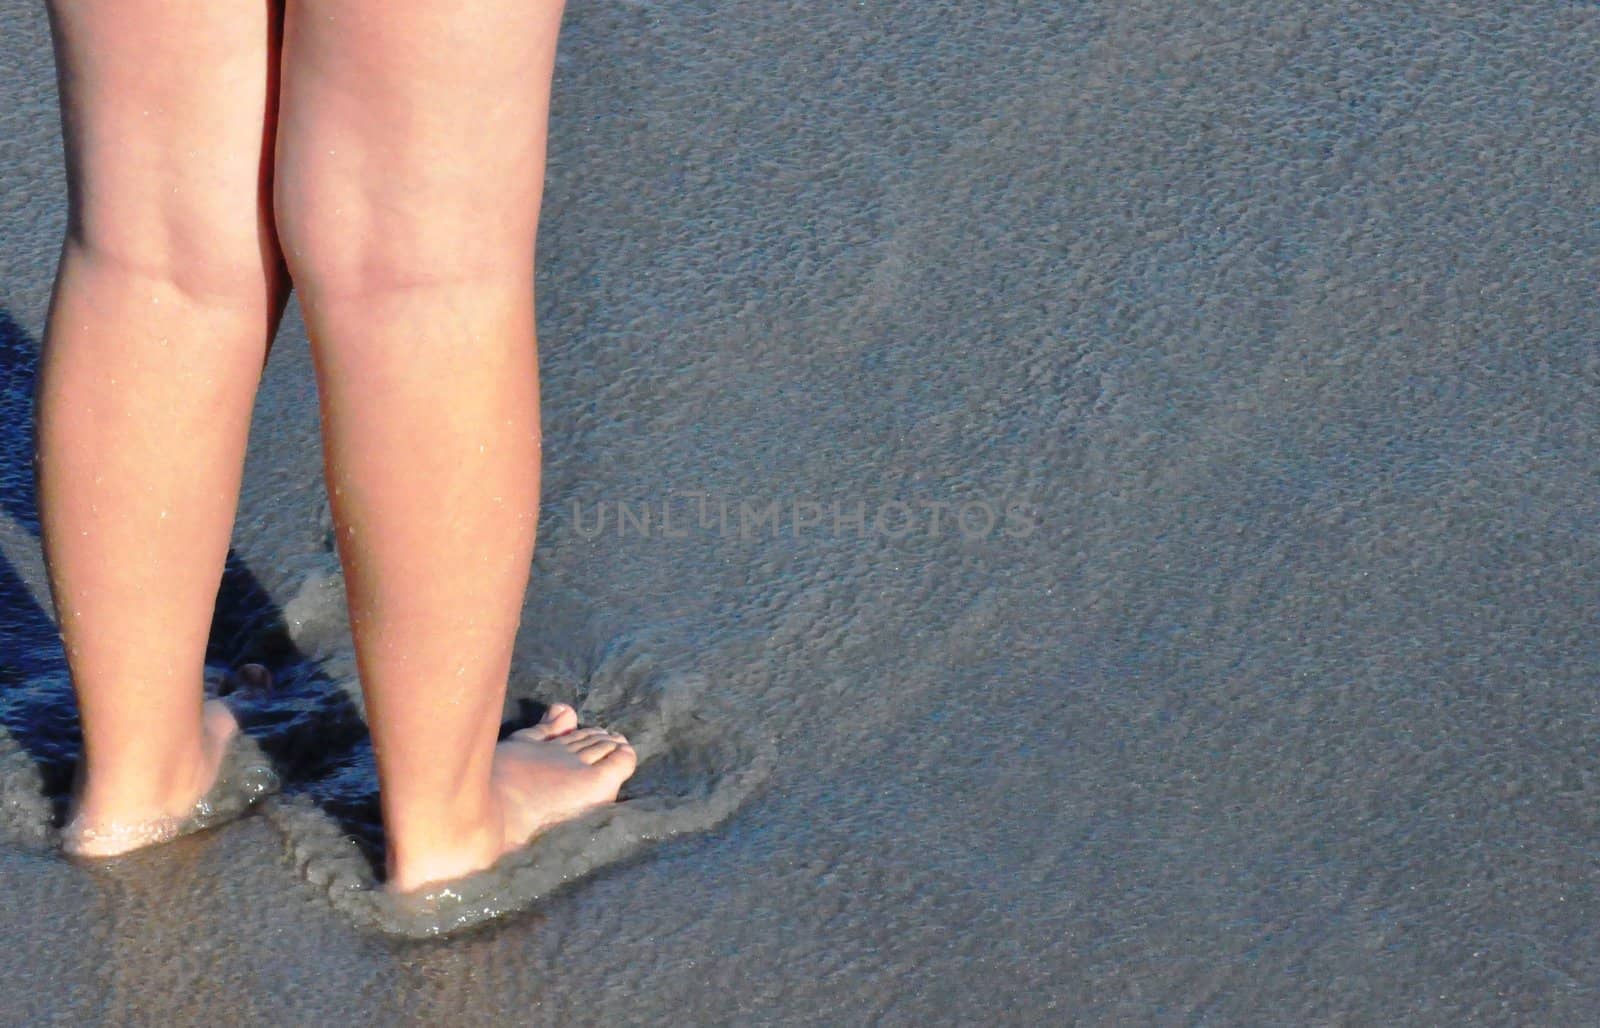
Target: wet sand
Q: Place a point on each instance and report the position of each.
(1130, 476)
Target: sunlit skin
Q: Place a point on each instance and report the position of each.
(393, 173)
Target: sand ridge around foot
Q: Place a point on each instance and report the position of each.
(692, 775)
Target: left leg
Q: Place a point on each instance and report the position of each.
(409, 177)
(169, 290)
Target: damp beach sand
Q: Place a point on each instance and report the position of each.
(1088, 512)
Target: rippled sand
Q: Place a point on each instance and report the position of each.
(1087, 510)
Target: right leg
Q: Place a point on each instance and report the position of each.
(409, 173)
(169, 289)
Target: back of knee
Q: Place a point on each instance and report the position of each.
(209, 253)
(342, 237)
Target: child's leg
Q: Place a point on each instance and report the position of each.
(169, 288)
(410, 169)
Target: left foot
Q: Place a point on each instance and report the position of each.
(110, 828)
(542, 776)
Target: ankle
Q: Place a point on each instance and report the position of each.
(132, 786)
(128, 777)
(427, 850)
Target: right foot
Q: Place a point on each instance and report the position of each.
(542, 776)
(102, 827)
(111, 824)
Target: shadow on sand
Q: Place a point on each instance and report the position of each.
(305, 722)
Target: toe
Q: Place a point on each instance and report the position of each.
(598, 750)
(620, 761)
(580, 738)
(559, 719)
(599, 738)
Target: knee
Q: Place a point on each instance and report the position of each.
(211, 253)
(346, 237)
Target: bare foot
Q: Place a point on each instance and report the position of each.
(542, 776)
(110, 825)
(555, 771)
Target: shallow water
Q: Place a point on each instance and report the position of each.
(1246, 355)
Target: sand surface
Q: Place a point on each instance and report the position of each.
(1131, 475)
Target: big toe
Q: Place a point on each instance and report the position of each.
(559, 719)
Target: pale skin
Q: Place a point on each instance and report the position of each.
(386, 158)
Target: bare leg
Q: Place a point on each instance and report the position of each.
(409, 175)
(169, 289)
